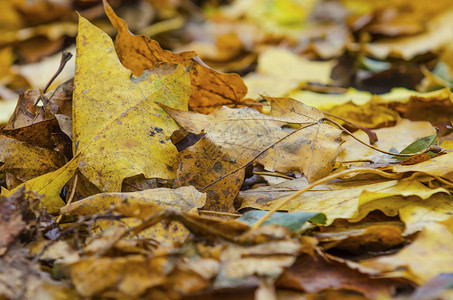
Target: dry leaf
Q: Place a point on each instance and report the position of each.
(428, 256)
(139, 206)
(211, 89)
(122, 114)
(246, 135)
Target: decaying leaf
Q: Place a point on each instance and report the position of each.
(26, 161)
(152, 201)
(246, 135)
(201, 165)
(140, 206)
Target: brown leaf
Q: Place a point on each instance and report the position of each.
(369, 234)
(38, 134)
(140, 206)
(26, 112)
(246, 135)
(22, 278)
(317, 274)
(11, 219)
(127, 276)
(427, 257)
(202, 164)
(211, 89)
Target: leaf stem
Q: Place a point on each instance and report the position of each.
(74, 185)
(256, 156)
(430, 148)
(218, 213)
(371, 134)
(274, 174)
(65, 57)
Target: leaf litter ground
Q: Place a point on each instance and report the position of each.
(334, 218)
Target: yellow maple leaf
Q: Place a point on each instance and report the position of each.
(118, 129)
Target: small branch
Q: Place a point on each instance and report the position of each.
(284, 200)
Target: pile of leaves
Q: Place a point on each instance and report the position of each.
(324, 172)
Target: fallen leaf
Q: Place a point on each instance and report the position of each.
(414, 212)
(139, 206)
(316, 274)
(438, 32)
(121, 113)
(26, 112)
(12, 221)
(437, 166)
(211, 89)
(413, 263)
(50, 185)
(99, 275)
(246, 135)
(368, 235)
(279, 71)
(25, 161)
(266, 260)
(20, 277)
(344, 199)
(293, 221)
(398, 137)
(202, 164)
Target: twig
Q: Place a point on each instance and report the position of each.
(284, 200)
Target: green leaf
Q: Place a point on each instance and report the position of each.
(373, 65)
(418, 145)
(441, 71)
(293, 221)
